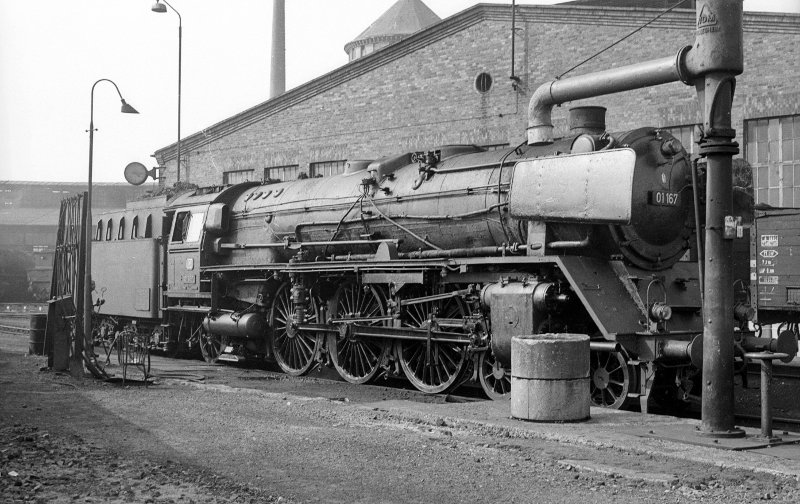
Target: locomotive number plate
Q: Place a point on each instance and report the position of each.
(664, 198)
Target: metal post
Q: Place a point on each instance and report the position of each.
(766, 408)
(157, 7)
(717, 58)
(83, 289)
(718, 349)
(86, 310)
(180, 36)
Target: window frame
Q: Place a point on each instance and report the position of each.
(768, 141)
(329, 168)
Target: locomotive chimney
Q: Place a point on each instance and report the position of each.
(277, 71)
(590, 120)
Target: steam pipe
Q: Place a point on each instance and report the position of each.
(556, 92)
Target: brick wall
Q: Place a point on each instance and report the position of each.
(420, 93)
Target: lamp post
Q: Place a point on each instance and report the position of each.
(87, 274)
(160, 8)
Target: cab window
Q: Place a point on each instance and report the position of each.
(188, 227)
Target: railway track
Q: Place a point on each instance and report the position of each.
(778, 423)
(12, 329)
(17, 322)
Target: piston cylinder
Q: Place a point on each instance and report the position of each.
(248, 325)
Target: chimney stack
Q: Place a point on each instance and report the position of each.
(277, 79)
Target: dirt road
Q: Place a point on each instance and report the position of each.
(286, 440)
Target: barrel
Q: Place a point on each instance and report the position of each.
(38, 326)
(550, 377)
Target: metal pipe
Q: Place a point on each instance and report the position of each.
(556, 92)
(513, 37)
(698, 230)
(294, 245)
(569, 244)
(604, 346)
(441, 254)
(463, 252)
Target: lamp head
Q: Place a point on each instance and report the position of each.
(127, 109)
(158, 7)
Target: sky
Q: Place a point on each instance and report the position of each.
(52, 51)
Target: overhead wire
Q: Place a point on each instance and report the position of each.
(601, 51)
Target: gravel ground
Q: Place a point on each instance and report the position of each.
(179, 441)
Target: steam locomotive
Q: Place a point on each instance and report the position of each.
(426, 264)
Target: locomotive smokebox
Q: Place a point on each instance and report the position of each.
(589, 120)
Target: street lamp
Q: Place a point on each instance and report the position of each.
(161, 8)
(87, 274)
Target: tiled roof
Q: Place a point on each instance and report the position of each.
(403, 18)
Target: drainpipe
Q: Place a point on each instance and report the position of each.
(711, 65)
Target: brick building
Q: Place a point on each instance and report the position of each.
(459, 81)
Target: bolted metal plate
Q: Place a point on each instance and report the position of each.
(595, 187)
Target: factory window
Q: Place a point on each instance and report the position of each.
(98, 234)
(148, 227)
(135, 228)
(281, 173)
(110, 230)
(327, 168)
(772, 147)
(483, 82)
(686, 135)
(121, 230)
(237, 176)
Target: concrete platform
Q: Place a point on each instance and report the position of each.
(665, 436)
